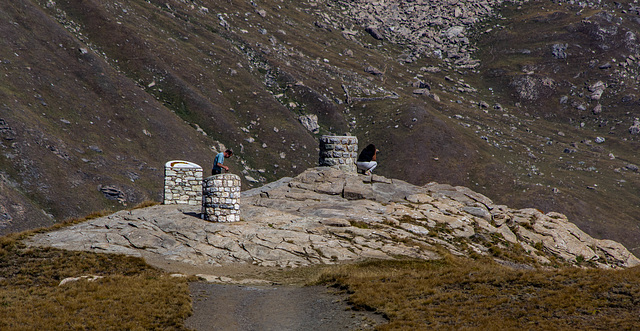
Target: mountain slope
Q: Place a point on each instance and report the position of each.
(100, 94)
(73, 122)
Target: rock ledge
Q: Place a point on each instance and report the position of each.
(326, 216)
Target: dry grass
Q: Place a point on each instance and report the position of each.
(456, 293)
(130, 296)
(145, 204)
(451, 293)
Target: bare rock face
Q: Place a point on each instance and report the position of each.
(596, 90)
(532, 87)
(326, 216)
(310, 122)
(113, 193)
(374, 32)
(430, 28)
(6, 132)
(635, 128)
(373, 70)
(559, 51)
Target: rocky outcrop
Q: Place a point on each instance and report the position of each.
(635, 128)
(429, 28)
(310, 122)
(532, 87)
(326, 216)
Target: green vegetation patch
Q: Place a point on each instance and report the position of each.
(460, 293)
(130, 295)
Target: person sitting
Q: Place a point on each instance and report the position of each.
(367, 159)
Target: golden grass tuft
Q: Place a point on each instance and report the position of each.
(459, 293)
(145, 204)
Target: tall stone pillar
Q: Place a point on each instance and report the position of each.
(221, 198)
(339, 152)
(182, 183)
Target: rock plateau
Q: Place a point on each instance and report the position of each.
(327, 216)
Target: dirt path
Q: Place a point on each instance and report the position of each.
(287, 306)
(235, 307)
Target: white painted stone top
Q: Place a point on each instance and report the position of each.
(181, 164)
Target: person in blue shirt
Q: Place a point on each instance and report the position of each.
(218, 162)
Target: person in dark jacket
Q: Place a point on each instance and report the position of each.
(367, 159)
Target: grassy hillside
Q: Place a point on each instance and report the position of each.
(459, 294)
(576, 152)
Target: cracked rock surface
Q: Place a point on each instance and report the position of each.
(326, 216)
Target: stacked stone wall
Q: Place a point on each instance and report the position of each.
(182, 183)
(339, 152)
(221, 198)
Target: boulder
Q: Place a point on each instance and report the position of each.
(635, 128)
(596, 90)
(373, 70)
(374, 32)
(559, 51)
(113, 193)
(310, 122)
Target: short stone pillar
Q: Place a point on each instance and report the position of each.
(339, 152)
(221, 198)
(182, 183)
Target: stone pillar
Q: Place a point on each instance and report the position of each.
(182, 183)
(339, 152)
(221, 198)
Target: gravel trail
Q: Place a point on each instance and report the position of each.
(236, 307)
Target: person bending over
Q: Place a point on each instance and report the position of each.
(367, 159)
(218, 162)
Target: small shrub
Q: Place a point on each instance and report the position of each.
(539, 246)
(359, 224)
